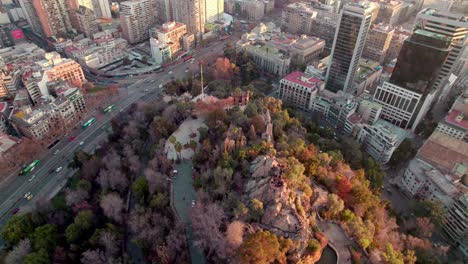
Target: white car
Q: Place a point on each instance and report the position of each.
(32, 177)
(56, 152)
(170, 72)
(186, 70)
(81, 143)
(160, 86)
(27, 194)
(58, 169)
(193, 203)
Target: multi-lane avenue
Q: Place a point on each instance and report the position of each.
(46, 180)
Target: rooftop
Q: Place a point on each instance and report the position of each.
(445, 14)
(298, 77)
(457, 118)
(444, 152)
(170, 26)
(431, 34)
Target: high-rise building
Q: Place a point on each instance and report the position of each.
(378, 42)
(102, 8)
(53, 17)
(455, 27)
(87, 23)
(409, 95)
(389, 12)
(398, 38)
(164, 9)
(171, 34)
(191, 13)
(72, 9)
(136, 18)
(31, 16)
(456, 224)
(350, 38)
(214, 10)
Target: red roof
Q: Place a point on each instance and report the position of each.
(3, 106)
(451, 119)
(295, 77)
(355, 118)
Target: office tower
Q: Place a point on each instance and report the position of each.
(31, 16)
(409, 95)
(398, 38)
(53, 17)
(191, 13)
(378, 42)
(453, 26)
(389, 12)
(214, 10)
(136, 18)
(102, 9)
(164, 9)
(350, 38)
(87, 23)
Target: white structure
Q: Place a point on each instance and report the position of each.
(299, 89)
(160, 51)
(380, 139)
(102, 8)
(350, 38)
(400, 105)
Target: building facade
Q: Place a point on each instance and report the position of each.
(87, 23)
(378, 42)
(136, 18)
(69, 71)
(190, 13)
(299, 89)
(214, 10)
(298, 18)
(53, 17)
(350, 38)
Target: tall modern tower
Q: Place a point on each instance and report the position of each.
(350, 38)
(214, 10)
(53, 16)
(30, 13)
(455, 27)
(136, 18)
(408, 96)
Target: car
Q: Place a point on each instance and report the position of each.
(160, 86)
(56, 152)
(58, 169)
(170, 72)
(121, 110)
(146, 90)
(72, 138)
(174, 172)
(15, 211)
(29, 198)
(32, 177)
(27, 194)
(193, 203)
(81, 143)
(186, 70)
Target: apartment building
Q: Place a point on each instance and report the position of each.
(253, 10)
(170, 33)
(299, 89)
(191, 13)
(160, 51)
(399, 37)
(136, 18)
(214, 10)
(30, 13)
(53, 17)
(378, 42)
(456, 224)
(455, 123)
(298, 18)
(389, 12)
(164, 9)
(67, 70)
(86, 21)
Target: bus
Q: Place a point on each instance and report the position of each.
(30, 167)
(109, 108)
(89, 122)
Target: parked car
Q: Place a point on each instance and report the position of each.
(58, 169)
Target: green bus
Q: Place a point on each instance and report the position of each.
(89, 122)
(30, 167)
(109, 108)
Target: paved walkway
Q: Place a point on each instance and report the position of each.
(338, 239)
(182, 134)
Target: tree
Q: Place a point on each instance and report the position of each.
(256, 209)
(424, 227)
(178, 149)
(17, 228)
(45, 237)
(140, 188)
(391, 256)
(19, 252)
(94, 256)
(334, 205)
(344, 187)
(241, 210)
(38, 257)
(85, 220)
(374, 173)
(72, 233)
(259, 248)
(313, 245)
(434, 210)
(234, 234)
(112, 205)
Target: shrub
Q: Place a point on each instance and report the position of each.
(313, 245)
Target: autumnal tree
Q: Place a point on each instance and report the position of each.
(259, 248)
(334, 206)
(140, 189)
(391, 256)
(344, 187)
(256, 209)
(234, 234)
(112, 205)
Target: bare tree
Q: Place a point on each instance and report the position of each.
(148, 228)
(94, 257)
(156, 180)
(112, 205)
(206, 223)
(75, 197)
(19, 252)
(114, 180)
(110, 243)
(234, 234)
